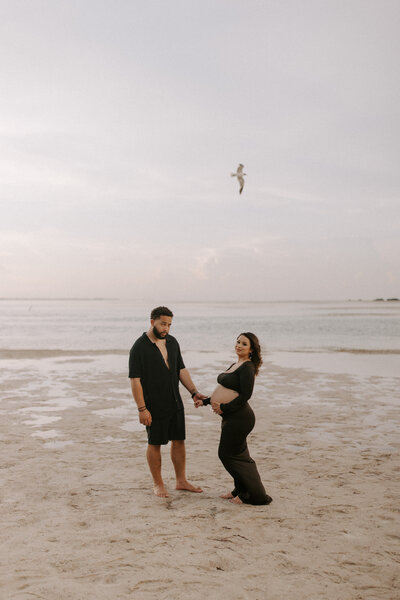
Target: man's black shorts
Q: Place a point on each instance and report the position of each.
(171, 427)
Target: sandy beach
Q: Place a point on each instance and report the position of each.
(79, 520)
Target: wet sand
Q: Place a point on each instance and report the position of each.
(79, 520)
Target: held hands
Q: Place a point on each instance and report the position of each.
(198, 399)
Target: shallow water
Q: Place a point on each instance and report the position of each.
(364, 365)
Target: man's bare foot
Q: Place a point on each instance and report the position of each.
(226, 496)
(236, 500)
(185, 485)
(160, 491)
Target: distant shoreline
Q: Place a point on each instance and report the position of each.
(99, 299)
(57, 299)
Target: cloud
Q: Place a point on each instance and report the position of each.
(204, 261)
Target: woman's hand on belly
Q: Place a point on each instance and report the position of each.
(221, 395)
(216, 407)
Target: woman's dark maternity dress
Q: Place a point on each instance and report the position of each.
(237, 422)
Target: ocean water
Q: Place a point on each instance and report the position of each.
(202, 327)
(338, 336)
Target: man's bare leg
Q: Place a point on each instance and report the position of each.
(178, 457)
(154, 461)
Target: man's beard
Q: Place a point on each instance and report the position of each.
(158, 334)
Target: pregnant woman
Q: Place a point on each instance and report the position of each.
(230, 399)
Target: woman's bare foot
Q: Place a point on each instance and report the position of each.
(185, 485)
(226, 496)
(160, 491)
(236, 500)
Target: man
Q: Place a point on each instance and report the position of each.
(155, 369)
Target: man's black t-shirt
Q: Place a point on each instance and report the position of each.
(160, 384)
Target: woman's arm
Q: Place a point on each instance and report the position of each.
(246, 382)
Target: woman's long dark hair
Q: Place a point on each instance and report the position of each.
(255, 349)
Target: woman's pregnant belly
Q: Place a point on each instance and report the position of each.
(223, 395)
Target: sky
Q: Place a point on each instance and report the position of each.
(121, 122)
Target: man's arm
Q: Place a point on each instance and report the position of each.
(186, 381)
(137, 393)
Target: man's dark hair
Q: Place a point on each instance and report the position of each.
(156, 313)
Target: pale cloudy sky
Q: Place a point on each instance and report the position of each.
(121, 120)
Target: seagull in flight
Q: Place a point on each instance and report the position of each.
(240, 175)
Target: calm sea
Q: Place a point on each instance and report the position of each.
(202, 327)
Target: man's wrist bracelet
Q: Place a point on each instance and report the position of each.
(194, 393)
(142, 408)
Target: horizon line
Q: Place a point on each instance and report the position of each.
(226, 301)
